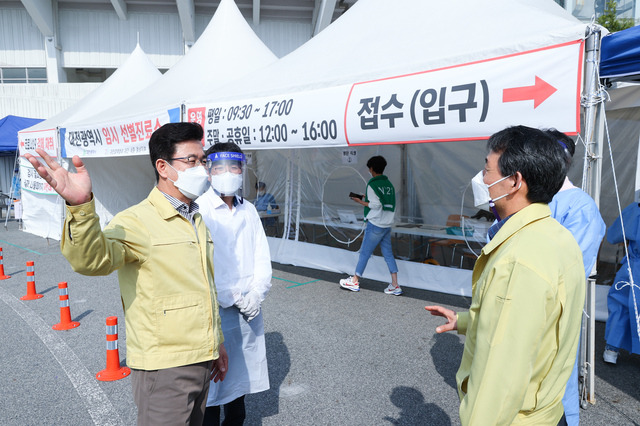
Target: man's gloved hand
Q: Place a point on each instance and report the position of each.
(252, 305)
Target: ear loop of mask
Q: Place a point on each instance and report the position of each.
(492, 203)
(174, 181)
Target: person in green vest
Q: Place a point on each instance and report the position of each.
(379, 212)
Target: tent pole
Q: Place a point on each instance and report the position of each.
(67, 165)
(287, 199)
(298, 197)
(591, 183)
(13, 175)
(594, 118)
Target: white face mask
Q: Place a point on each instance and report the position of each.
(226, 183)
(481, 196)
(192, 182)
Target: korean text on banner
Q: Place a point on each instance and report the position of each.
(111, 139)
(46, 140)
(295, 120)
(539, 88)
(31, 181)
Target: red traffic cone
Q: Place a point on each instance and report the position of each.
(65, 313)
(31, 283)
(113, 370)
(2, 275)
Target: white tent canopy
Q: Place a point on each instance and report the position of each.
(132, 76)
(42, 207)
(378, 38)
(228, 49)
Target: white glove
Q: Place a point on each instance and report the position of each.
(251, 309)
(241, 303)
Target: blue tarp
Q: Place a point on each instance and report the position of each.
(620, 55)
(9, 128)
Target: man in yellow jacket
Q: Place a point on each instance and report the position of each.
(163, 253)
(523, 325)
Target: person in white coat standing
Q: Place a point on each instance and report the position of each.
(242, 271)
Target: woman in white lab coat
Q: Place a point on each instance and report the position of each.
(242, 272)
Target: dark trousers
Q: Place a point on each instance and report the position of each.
(171, 396)
(234, 414)
(563, 421)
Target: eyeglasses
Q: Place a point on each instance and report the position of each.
(191, 160)
(216, 169)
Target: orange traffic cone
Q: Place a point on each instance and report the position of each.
(31, 283)
(65, 313)
(113, 370)
(2, 275)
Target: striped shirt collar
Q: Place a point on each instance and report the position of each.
(186, 211)
(493, 230)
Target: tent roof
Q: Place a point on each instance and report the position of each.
(9, 128)
(377, 38)
(135, 73)
(227, 50)
(620, 57)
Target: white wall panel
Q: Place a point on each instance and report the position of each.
(96, 38)
(21, 43)
(41, 100)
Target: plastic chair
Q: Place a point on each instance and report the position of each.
(466, 253)
(452, 220)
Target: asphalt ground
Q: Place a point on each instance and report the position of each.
(335, 356)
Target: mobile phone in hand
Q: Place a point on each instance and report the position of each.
(354, 195)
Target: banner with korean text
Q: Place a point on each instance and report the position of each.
(31, 181)
(28, 142)
(114, 138)
(46, 140)
(538, 88)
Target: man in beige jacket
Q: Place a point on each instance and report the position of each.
(163, 253)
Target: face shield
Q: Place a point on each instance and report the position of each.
(227, 172)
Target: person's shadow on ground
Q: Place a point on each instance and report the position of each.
(266, 404)
(446, 354)
(414, 411)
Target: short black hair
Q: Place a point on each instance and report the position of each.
(377, 163)
(536, 155)
(162, 144)
(565, 142)
(261, 185)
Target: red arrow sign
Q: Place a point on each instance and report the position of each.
(539, 92)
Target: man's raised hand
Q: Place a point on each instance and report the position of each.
(74, 188)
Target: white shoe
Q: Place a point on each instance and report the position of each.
(610, 356)
(396, 291)
(349, 284)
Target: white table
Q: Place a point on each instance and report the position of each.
(434, 233)
(430, 232)
(274, 214)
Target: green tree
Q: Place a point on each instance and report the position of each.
(610, 20)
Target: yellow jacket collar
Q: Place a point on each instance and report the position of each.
(517, 221)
